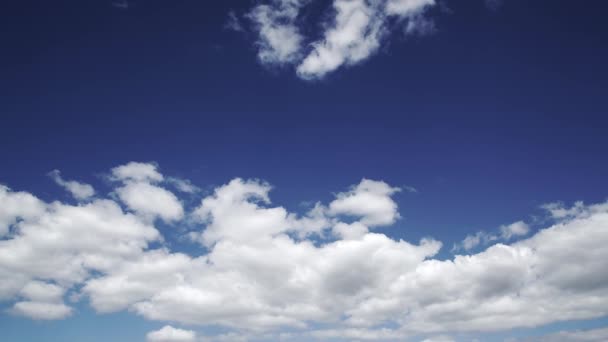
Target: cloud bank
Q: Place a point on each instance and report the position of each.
(352, 31)
(262, 270)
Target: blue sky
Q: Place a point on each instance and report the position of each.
(481, 115)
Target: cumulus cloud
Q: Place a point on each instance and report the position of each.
(353, 31)
(62, 244)
(142, 194)
(79, 191)
(17, 206)
(171, 334)
(42, 301)
(138, 172)
(370, 200)
(41, 310)
(151, 201)
(263, 271)
(519, 228)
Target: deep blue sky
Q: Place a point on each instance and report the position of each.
(496, 113)
(493, 115)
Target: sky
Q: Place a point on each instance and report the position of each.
(303, 170)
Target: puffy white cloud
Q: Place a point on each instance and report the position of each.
(141, 193)
(139, 172)
(171, 334)
(234, 212)
(137, 279)
(355, 35)
(43, 301)
(472, 241)
(275, 282)
(79, 191)
(17, 206)
(64, 244)
(42, 292)
(264, 269)
(519, 228)
(150, 201)
(41, 310)
(355, 31)
(370, 200)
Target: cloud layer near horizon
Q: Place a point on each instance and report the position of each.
(264, 270)
(352, 31)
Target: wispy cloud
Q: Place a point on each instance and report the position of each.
(121, 4)
(494, 4)
(80, 191)
(234, 22)
(505, 233)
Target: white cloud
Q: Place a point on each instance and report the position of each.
(138, 172)
(150, 201)
(506, 233)
(141, 193)
(171, 334)
(41, 310)
(42, 292)
(557, 210)
(17, 206)
(43, 301)
(357, 29)
(234, 212)
(519, 228)
(369, 200)
(65, 243)
(279, 40)
(79, 191)
(183, 185)
(266, 270)
(472, 241)
(355, 35)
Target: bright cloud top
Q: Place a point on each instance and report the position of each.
(353, 30)
(265, 271)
